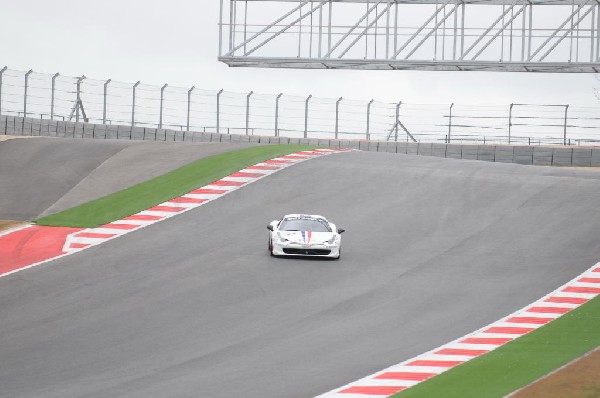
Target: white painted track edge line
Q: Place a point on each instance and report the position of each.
(70, 238)
(336, 392)
(15, 229)
(33, 265)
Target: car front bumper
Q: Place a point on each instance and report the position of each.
(317, 250)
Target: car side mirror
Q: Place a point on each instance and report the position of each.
(341, 230)
(270, 227)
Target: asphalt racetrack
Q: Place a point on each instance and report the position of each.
(195, 306)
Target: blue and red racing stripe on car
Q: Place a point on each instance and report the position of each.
(306, 235)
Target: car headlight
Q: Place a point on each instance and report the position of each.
(332, 240)
(281, 238)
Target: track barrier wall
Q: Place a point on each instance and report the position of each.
(527, 155)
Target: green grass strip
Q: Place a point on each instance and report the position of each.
(519, 362)
(168, 186)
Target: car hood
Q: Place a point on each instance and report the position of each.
(306, 237)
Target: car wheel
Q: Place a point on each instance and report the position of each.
(339, 254)
(270, 247)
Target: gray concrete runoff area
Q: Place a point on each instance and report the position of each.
(42, 176)
(528, 154)
(195, 307)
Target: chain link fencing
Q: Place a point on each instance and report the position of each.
(78, 99)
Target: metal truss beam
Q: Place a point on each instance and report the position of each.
(479, 2)
(547, 67)
(449, 35)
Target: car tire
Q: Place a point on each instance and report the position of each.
(339, 254)
(271, 247)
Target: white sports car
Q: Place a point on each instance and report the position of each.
(304, 235)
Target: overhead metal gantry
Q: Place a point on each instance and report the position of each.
(494, 35)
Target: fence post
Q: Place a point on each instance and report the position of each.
(133, 104)
(189, 107)
(337, 117)
(450, 124)
(162, 97)
(397, 120)
(1, 73)
(369, 119)
(104, 101)
(566, 119)
(25, 99)
(78, 103)
(219, 109)
(510, 122)
(277, 114)
(248, 111)
(52, 95)
(306, 116)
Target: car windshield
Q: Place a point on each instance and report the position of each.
(304, 224)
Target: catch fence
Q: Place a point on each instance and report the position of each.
(68, 98)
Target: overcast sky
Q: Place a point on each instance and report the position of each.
(176, 42)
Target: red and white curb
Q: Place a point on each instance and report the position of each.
(74, 240)
(413, 371)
